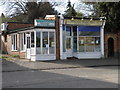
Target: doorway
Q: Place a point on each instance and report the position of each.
(110, 47)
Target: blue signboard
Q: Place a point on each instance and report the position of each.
(44, 23)
(89, 28)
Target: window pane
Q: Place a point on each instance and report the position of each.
(45, 43)
(24, 38)
(74, 30)
(28, 42)
(90, 44)
(68, 31)
(68, 43)
(38, 39)
(38, 43)
(12, 38)
(16, 43)
(32, 39)
(81, 44)
(97, 44)
(21, 41)
(51, 43)
(64, 49)
(74, 44)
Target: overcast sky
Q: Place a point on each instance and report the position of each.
(61, 8)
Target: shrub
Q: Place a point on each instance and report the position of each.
(15, 56)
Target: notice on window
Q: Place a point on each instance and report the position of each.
(47, 46)
(92, 42)
(97, 41)
(82, 41)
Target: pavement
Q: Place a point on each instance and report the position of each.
(25, 65)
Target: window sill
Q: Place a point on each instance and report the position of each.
(22, 51)
(14, 50)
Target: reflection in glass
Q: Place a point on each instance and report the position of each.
(64, 49)
(90, 43)
(68, 43)
(51, 43)
(74, 30)
(81, 44)
(38, 43)
(45, 43)
(74, 44)
(21, 41)
(32, 39)
(97, 44)
(28, 42)
(68, 31)
(37, 39)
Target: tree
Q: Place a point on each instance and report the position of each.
(78, 14)
(28, 11)
(41, 9)
(2, 15)
(70, 10)
(110, 10)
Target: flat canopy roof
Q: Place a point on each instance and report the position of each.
(25, 29)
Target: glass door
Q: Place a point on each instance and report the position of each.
(69, 40)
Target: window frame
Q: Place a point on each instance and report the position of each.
(48, 43)
(85, 37)
(23, 42)
(14, 43)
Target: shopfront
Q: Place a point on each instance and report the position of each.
(39, 43)
(82, 38)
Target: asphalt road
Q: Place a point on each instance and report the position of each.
(96, 77)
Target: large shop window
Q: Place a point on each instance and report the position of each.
(14, 42)
(22, 41)
(45, 43)
(89, 39)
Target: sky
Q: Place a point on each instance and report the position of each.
(60, 8)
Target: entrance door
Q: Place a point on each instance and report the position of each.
(28, 46)
(69, 46)
(69, 43)
(110, 47)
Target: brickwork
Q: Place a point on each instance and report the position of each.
(116, 38)
(12, 26)
(6, 47)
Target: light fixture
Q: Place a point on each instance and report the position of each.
(91, 19)
(100, 19)
(82, 19)
(72, 18)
